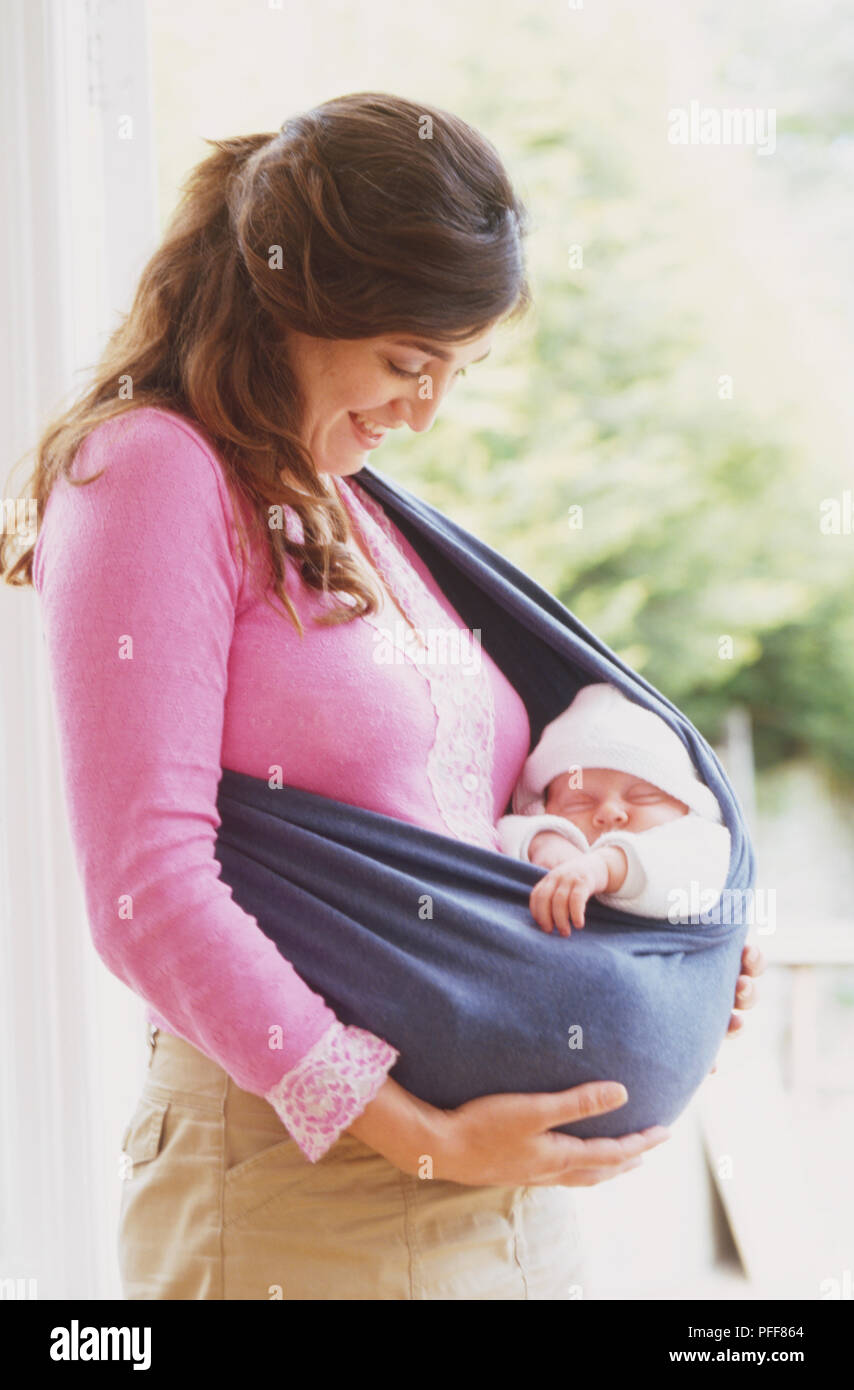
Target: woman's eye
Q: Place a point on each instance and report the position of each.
(399, 371)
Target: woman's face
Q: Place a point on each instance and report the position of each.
(393, 380)
(598, 799)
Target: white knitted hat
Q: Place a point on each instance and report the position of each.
(602, 728)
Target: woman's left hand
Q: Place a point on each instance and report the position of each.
(752, 964)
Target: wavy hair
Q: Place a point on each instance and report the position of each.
(346, 223)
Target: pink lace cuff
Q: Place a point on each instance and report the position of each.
(330, 1086)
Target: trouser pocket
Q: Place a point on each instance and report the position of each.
(143, 1137)
(169, 1239)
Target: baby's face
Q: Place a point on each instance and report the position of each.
(597, 799)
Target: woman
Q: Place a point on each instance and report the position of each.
(315, 288)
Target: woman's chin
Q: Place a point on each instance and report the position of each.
(342, 463)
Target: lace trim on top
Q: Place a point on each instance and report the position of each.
(330, 1086)
(449, 657)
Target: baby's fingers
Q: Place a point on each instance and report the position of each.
(560, 906)
(578, 901)
(540, 903)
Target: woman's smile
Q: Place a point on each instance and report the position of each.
(404, 381)
(368, 433)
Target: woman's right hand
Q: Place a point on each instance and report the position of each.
(503, 1140)
(508, 1140)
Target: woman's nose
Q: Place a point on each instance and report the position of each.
(420, 412)
(419, 415)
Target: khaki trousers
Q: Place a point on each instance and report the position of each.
(219, 1202)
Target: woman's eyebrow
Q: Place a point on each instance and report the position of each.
(434, 351)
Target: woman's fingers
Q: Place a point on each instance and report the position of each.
(547, 1110)
(600, 1153)
(745, 993)
(752, 964)
(591, 1177)
(595, 1160)
(513, 1137)
(597, 1164)
(752, 961)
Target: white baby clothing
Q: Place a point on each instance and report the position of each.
(682, 862)
(663, 861)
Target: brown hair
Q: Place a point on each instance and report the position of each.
(365, 215)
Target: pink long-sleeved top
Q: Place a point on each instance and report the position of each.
(167, 664)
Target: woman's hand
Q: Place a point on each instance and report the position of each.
(508, 1139)
(503, 1140)
(752, 964)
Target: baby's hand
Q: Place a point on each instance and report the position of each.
(548, 848)
(562, 894)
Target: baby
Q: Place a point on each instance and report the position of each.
(611, 804)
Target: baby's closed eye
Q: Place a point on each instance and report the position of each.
(648, 795)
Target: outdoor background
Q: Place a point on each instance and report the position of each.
(657, 270)
(682, 385)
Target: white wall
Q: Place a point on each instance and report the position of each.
(79, 219)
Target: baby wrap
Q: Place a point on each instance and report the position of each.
(429, 942)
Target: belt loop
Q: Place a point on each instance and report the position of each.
(152, 1030)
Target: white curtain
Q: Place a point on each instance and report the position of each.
(79, 219)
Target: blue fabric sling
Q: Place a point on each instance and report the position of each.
(429, 941)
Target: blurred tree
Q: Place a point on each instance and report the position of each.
(699, 557)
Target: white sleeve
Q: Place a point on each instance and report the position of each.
(515, 833)
(666, 863)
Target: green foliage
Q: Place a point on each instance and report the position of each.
(699, 558)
